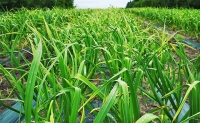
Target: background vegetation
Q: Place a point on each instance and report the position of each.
(10, 4)
(164, 3)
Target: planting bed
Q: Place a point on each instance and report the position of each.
(145, 107)
(84, 66)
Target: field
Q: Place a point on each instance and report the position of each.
(183, 20)
(98, 66)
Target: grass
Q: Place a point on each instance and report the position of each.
(73, 49)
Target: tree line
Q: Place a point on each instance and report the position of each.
(10, 4)
(165, 3)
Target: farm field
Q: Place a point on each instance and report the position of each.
(98, 65)
(183, 20)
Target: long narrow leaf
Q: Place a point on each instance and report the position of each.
(107, 105)
(31, 83)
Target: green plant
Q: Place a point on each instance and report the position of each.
(80, 56)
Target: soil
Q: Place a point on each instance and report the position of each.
(4, 88)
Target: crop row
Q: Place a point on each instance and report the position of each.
(83, 56)
(187, 20)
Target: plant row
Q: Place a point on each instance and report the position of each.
(186, 20)
(80, 56)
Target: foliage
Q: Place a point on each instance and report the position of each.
(164, 3)
(9, 4)
(129, 5)
(81, 57)
(186, 20)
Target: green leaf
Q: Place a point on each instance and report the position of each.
(191, 86)
(107, 105)
(31, 83)
(94, 88)
(147, 118)
(75, 105)
(191, 117)
(125, 102)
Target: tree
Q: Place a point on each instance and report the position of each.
(9, 4)
(165, 3)
(146, 3)
(195, 4)
(129, 4)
